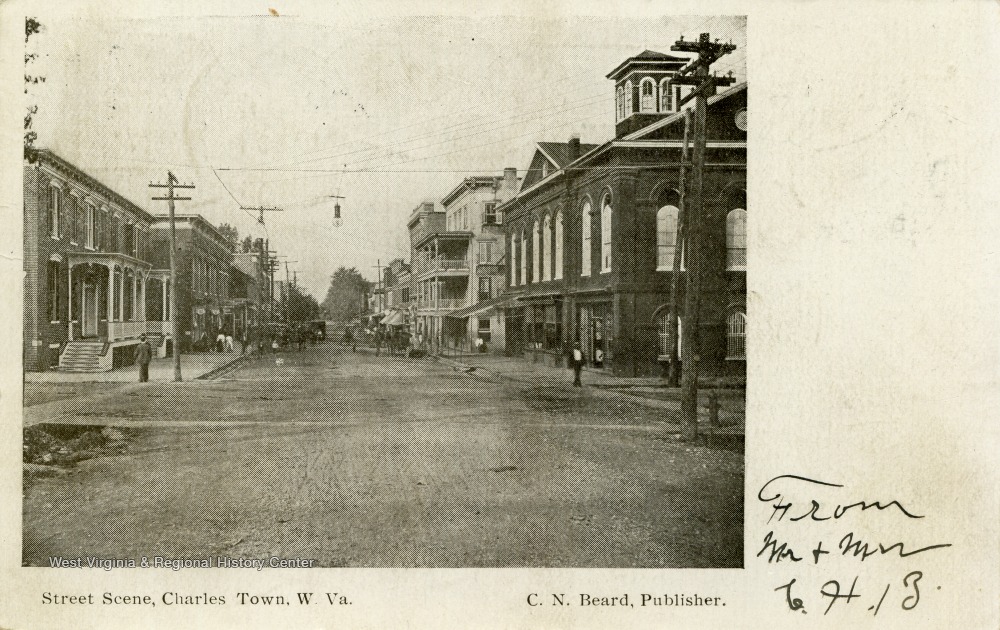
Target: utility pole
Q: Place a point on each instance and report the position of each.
(708, 53)
(288, 294)
(378, 266)
(261, 210)
(673, 372)
(175, 325)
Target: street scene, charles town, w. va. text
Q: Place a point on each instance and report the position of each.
(415, 292)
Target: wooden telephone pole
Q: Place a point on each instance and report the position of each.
(704, 86)
(175, 324)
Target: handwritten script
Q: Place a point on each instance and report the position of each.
(793, 499)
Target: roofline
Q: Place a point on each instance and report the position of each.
(635, 135)
(194, 218)
(475, 180)
(617, 71)
(56, 160)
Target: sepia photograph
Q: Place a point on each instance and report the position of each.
(437, 314)
(297, 293)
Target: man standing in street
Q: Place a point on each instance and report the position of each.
(143, 355)
(577, 362)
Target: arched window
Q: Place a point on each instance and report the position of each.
(524, 258)
(620, 103)
(647, 95)
(663, 334)
(558, 272)
(628, 99)
(606, 212)
(585, 248)
(536, 254)
(513, 260)
(666, 96)
(736, 240)
(736, 337)
(666, 237)
(546, 249)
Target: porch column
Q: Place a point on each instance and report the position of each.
(110, 295)
(135, 296)
(142, 295)
(121, 298)
(69, 305)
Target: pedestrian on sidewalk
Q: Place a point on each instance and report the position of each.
(229, 343)
(576, 361)
(143, 355)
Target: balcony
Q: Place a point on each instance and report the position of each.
(442, 304)
(443, 266)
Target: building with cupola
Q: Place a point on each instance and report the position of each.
(591, 234)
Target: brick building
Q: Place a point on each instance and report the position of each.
(89, 280)
(203, 260)
(590, 236)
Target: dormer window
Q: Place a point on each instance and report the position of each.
(628, 99)
(666, 102)
(647, 95)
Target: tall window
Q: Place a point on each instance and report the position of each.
(513, 260)
(524, 258)
(536, 254)
(666, 237)
(558, 273)
(628, 99)
(666, 103)
(490, 213)
(736, 337)
(736, 240)
(585, 248)
(606, 212)
(663, 332)
(485, 285)
(91, 226)
(52, 278)
(547, 248)
(647, 95)
(54, 201)
(620, 102)
(71, 222)
(485, 252)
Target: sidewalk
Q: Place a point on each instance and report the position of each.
(193, 365)
(650, 392)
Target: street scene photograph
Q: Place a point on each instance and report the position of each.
(375, 291)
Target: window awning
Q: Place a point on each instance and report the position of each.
(481, 307)
(393, 318)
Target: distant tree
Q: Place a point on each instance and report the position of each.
(302, 306)
(344, 297)
(230, 233)
(31, 27)
(247, 244)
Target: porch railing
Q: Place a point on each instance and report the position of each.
(125, 330)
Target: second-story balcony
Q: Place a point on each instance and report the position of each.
(444, 266)
(442, 304)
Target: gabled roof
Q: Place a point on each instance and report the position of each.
(558, 152)
(648, 57)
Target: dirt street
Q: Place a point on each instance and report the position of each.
(354, 460)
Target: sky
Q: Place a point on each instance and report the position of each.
(285, 111)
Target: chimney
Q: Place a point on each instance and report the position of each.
(574, 147)
(510, 179)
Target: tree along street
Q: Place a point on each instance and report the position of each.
(354, 460)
